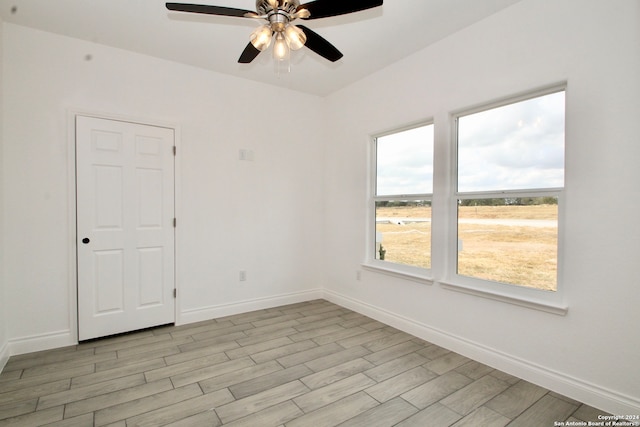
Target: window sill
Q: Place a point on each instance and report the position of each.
(560, 310)
(400, 273)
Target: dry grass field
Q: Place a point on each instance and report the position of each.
(517, 254)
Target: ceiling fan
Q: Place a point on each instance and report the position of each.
(279, 15)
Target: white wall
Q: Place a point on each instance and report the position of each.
(593, 352)
(4, 349)
(261, 216)
(267, 217)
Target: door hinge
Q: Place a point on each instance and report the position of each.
(175, 293)
(175, 223)
(175, 150)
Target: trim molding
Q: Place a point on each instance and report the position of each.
(216, 311)
(575, 388)
(71, 114)
(48, 341)
(4, 355)
(57, 339)
(397, 272)
(560, 310)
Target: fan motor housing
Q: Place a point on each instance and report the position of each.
(289, 6)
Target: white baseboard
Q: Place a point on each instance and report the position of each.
(4, 355)
(41, 342)
(575, 388)
(57, 339)
(213, 312)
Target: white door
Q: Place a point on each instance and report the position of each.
(125, 226)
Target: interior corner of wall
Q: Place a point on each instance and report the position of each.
(4, 355)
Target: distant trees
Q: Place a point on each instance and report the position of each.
(393, 203)
(507, 201)
(510, 201)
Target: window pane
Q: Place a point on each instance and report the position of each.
(512, 240)
(516, 146)
(403, 232)
(404, 162)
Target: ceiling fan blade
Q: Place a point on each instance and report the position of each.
(248, 54)
(326, 8)
(209, 10)
(320, 45)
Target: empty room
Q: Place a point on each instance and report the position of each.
(321, 213)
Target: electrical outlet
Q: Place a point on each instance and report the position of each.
(243, 276)
(358, 275)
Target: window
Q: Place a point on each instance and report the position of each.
(510, 176)
(402, 199)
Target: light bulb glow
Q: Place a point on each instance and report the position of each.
(296, 38)
(280, 48)
(261, 37)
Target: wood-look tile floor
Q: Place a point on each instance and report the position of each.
(309, 364)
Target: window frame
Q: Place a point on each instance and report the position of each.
(550, 301)
(405, 271)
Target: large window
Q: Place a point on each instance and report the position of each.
(510, 176)
(402, 199)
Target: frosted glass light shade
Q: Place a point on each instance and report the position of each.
(261, 37)
(280, 48)
(296, 38)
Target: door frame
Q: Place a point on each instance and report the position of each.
(72, 204)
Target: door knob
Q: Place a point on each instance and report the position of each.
(85, 240)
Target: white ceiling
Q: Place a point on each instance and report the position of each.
(370, 40)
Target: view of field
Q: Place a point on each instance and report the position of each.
(497, 243)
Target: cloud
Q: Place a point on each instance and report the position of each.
(513, 147)
(517, 146)
(405, 162)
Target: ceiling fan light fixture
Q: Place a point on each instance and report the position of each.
(296, 38)
(261, 37)
(280, 48)
(279, 14)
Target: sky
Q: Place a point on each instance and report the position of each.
(514, 147)
(405, 162)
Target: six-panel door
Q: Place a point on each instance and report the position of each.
(125, 230)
